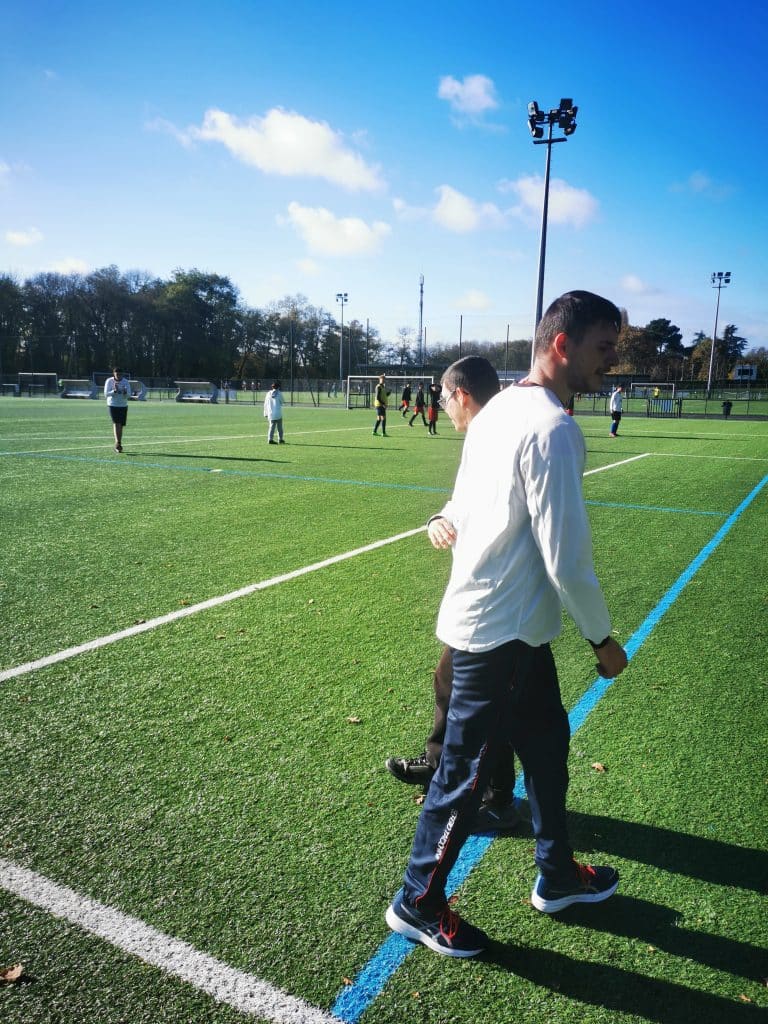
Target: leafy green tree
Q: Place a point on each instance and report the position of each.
(12, 320)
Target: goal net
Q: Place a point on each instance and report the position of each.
(361, 389)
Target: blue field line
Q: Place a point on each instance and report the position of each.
(319, 479)
(654, 508)
(135, 463)
(354, 999)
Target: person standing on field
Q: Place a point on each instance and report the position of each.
(522, 552)
(380, 403)
(467, 385)
(418, 406)
(433, 409)
(615, 407)
(405, 400)
(117, 392)
(273, 412)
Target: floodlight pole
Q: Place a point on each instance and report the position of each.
(719, 280)
(563, 116)
(341, 297)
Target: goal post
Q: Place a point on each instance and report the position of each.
(361, 388)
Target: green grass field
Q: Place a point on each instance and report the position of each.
(219, 777)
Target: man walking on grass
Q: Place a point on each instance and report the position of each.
(466, 386)
(522, 551)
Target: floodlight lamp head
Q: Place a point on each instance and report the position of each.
(728, 277)
(533, 108)
(534, 128)
(570, 128)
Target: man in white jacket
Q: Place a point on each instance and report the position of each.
(273, 411)
(522, 551)
(617, 397)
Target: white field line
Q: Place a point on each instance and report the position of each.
(213, 602)
(181, 613)
(225, 984)
(139, 443)
(613, 465)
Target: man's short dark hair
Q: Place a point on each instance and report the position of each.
(475, 375)
(573, 314)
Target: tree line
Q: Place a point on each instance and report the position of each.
(196, 325)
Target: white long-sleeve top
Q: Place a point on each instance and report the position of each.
(273, 405)
(524, 545)
(117, 392)
(616, 401)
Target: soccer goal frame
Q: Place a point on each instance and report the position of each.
(654, 389)
(361, 388)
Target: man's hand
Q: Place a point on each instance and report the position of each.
(441, 532)
(612, 659)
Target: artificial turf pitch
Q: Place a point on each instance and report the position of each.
(220, 777)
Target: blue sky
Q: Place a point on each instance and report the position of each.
(314, 149)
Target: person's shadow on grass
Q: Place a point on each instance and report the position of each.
(615, 989)
(653, 925)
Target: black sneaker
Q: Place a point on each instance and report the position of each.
(445, 933)
(497, 818)
(413, 770)
(590, 885)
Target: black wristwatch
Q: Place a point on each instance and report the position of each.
(601, 644)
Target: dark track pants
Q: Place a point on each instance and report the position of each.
(502, 780)
(508, 694)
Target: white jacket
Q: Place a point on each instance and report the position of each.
(523, 548)
(273, 405)
(616, 400)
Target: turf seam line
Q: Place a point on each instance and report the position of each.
(244, 992)
(355, 999)
(212, 602)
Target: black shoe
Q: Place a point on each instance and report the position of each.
(412, 770)
(588, 885)
(497, 818)
(273, 442)
(445, 932)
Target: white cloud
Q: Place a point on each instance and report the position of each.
(636, 286)
(329, 235)
(285, 143)
(473, 95)
(5, 172)
(24, 238)
(701, 184)
(405, 212)
(71, 265)
(456, 212)
(159, 124)
(473, 300)
(567, 205)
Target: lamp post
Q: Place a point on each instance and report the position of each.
(719, 280)
(342, 298)
(562, 116)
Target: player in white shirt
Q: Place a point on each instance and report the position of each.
(522, 551)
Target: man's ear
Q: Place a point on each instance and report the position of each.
(559, 344)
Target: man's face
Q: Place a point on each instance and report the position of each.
(592, 358)
(457, 410)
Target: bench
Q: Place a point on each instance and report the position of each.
(78, 389)
(196, 391)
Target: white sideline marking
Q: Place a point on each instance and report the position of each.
(613, 465)
(139, 442)
(181, 613)
(225, 984)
